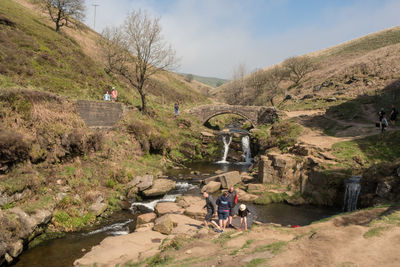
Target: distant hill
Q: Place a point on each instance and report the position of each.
(210, 81)
(348, 79)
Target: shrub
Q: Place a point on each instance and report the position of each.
(13, 149)
(284, 135)
(158, 144)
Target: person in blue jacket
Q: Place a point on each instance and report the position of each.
(224, 204)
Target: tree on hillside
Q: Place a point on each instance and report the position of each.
(298, 67)
(136, 51)
(61, 11)
(189, 78)
(266, 84)
(237, 86)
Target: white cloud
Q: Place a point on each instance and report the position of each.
(212, 37)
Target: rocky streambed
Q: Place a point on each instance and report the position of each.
(137, 233)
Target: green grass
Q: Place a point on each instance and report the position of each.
(373, 149)
(268, 197)
(256, 262)
(376, 231)
(274, 248)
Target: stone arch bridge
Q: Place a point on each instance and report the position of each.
(255, 114)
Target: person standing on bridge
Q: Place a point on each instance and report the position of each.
(176, 107)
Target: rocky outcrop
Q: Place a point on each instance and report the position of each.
(244, 196)
(146, 218)
(18, 228)
(211, 187)
(115, 250)
(163, 225)
(160, 187)
(177, 224)
(193, 206)
(226, 179)
(142, 182)
(167, 207)
(279, 168)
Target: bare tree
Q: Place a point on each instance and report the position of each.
(266, 84)
(136, 51)
(298, 68)
(61, 11)
(238, 84)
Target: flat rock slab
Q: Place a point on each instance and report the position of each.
(121, 249)
(168, 207)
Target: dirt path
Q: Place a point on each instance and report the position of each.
(317, 137)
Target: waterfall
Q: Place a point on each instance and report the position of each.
(351, 194)
(226, 148)
(246, 149)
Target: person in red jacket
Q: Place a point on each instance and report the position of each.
(233, 199)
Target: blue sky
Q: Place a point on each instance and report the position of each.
(212, 37)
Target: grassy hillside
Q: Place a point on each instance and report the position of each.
(362, 72)
(33, 55)
(48, 152)
(210, 81)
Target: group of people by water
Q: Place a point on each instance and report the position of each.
(383, 123)
(226, 210)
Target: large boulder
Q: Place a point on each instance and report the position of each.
(164, 225)
(211, 187)
(160, 187)
(142, 182)
(167, 207)
(115, 250)
(229, 179)
(97, 208)
(244, 196)
(146, 218)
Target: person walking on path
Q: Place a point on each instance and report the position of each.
(114, 95)
(211, 210)
(224, 204)
(176, 107)
(243, 212)
(393, 115)
(106, 96)
(233, 199)
(382, 119)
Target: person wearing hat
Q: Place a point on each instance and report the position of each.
(243, 212)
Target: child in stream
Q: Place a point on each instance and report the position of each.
(243, 212)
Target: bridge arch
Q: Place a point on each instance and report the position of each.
(206, 119)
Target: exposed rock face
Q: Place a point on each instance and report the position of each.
(6, 199)
(146, 218)
(98, 208)
(279, 168)
(160, 187)
(211, 187)
(167, 207)
(17, 228)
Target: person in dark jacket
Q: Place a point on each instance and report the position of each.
(393, 115)
(224, 204)
(211, 210)
(233, 198)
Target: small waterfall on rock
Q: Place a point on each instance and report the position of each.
(226, 147)
(246, 149)
(351, 194)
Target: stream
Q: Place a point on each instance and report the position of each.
(65, 250)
